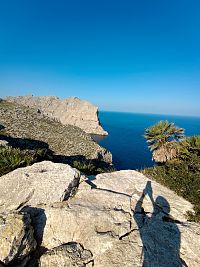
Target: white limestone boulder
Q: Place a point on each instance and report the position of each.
(44, 182)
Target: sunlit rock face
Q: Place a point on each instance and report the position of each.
(112, 219)
(28, 128)
(71, 111)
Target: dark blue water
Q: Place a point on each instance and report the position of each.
(126, 141)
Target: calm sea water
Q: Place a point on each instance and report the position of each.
(126, 141)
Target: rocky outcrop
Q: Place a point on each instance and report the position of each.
(16, 238)
(115, 219)
(43, 182)
(71, 111)
(71, 254)
(27, 128)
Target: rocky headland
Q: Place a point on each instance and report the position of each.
(52, 215)
(71, 111)
(29, 128)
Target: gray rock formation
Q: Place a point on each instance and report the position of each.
(120, 219)
(71, 254)
(30, 129)
(16, 238)
(118, 233)
(68, 111)
(43, 182)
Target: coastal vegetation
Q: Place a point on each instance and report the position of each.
(33, 137)
(13, 158)
(178, 168)
(162, 138)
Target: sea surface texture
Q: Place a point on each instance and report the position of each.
(126, 141)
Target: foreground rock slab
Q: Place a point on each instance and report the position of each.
(16, 238)
(44, 182)
(112, 219)
(68, 111)
(123, 219)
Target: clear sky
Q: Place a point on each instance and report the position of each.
(137, 55)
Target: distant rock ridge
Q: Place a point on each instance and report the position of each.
(71, 111)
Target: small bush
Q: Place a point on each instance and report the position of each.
(13, 158)
(91, 167)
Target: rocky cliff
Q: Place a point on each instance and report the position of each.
(29, 128)
(112, 219)
(71, 111)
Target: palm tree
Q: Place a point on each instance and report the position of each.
(163, 140)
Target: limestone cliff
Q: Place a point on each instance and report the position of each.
(112, 219)
(71, 111)
(29, 128)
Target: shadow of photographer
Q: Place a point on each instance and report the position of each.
(159, 232)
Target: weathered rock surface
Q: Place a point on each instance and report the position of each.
(29, 129)
(111, 217)
(71, 254)
(120, 219)
(44, 182)
(16, 238)
(68, 111)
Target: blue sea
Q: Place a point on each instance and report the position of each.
(126, 141)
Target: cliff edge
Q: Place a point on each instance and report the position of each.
(27, 128)
(71, 111)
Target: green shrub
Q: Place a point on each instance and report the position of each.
(91, 167)
(13, 158)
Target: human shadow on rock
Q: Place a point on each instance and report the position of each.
(159, 233)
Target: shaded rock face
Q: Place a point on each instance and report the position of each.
(29, 129)
(16, 238)
(68, 111)
(43, 182)
(115, 219)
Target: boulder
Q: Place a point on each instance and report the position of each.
(112, 219)
(123, 219)
(44, 182)
(71, 254)
(123, 189)
(68, 111)
(16, 238)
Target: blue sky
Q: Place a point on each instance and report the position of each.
(137, 55)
